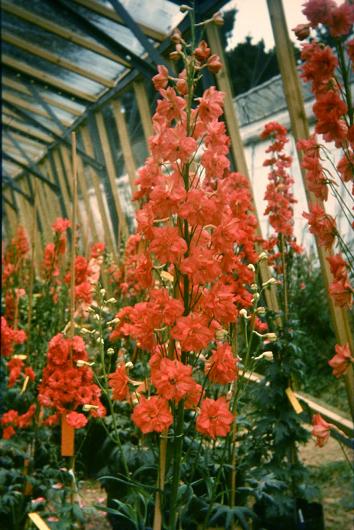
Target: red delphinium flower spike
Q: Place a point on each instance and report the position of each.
(320, 430)
(341, 360)
(318, 11)
(215, 418)
(317, 181)
(152, 415)
(60, 225)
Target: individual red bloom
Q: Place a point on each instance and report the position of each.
(25, 420)
(342, 293)
(198, 208)
(60, 225)
(97, 250)
(318, 11)
(201, 266)
(83, 292)
(215, 418)
(165, 308)
(346, 167)
(173, 379)
(118, 381)
(8, 432)
(350, 49)
(10, 417)
(329, 107)
(341, 360)
(219, 303)
(341, 19)
(214, 64)
(77, 420)
(193, 332)
(193, 397)
(202, 51)
(171, 107)
(210, 105)
(152, 415)
(319, 65)
(320, 430)
(338, 266)
(322, 225)
(221, 367)
(160, 80)
(167, 245)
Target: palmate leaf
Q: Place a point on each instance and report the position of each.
(231, 515)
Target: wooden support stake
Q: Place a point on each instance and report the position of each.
(100, 201)
(299, 126)
(144, 109)
(125, 143)
(223, 81)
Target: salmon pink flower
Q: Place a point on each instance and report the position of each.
(202, 51)
(118, 381)
(320, 429)
(76, 420)
(160, 80)
(60, 225)
(342, 293)
(221, 366)
(341, 19)
(152, 415)
(322, 225)
(193, 332)
(172, 379)
(215, 418)
(341, 361)
(167, 245)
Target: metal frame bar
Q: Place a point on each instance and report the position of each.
(32, 170)
(12, 185)
(152, 52)
(28, 106)
(48, 110)
(106, 12)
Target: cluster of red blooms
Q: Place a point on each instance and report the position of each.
(12, 419)
(53, 251)
(67, 382)
(278, 194)
(195, 237)
(87, 274)
(334, 122)
(13, 261)
(10, 337)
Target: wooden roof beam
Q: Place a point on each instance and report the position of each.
(62, 32)
(55, 59)
(112, 15)
(46, 79)
(28, 106)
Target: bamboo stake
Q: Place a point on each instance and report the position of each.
(160, 482)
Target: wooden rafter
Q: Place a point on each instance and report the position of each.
(55, 59)
(112, 15)
(49, 79)
(14, 124)
(6, 96)
(20, 87)
(66, 34)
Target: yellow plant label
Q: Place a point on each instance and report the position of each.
(293, 400)
(38, 521)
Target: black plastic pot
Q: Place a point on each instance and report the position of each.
(305, 516)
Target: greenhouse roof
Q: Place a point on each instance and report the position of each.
(63, 58)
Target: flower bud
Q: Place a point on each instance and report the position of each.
(176, 36)
(129, 364)
(110, 351)
(87, 407)
(243, 313)
(254, 287)
(111, 301)
(221, 334)
(251, 267)
(218, 19)
(255, 298)
(267, 356)
(302, 31)
(184, 8)
(96, 316)
(272, 337)
(100, 340)
(80, 363)
(263, 256)
(84, 331)
(261, 310)
(102, 292)
(174, 56)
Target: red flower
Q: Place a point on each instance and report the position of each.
(10, 337)
(152, 415)
(215, 418)
(221, 366)
(60, 225)
(167, 245)
(341, 361)
(76, 419)
(173, 379)
(322, 225)
(342, 293)
(192, 332)
(202, 52)
(118, 381)
(321, 429)
(160, 80)
(318, 11)
(214, 64)
(341, 19)
(338, 266)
